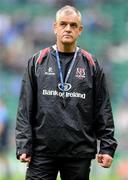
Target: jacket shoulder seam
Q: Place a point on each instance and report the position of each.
(89, 57)
(40, 57)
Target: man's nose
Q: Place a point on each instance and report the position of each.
(68, 27)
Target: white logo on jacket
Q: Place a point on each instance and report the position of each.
(80, 73)
(50, 71)
(46, 92)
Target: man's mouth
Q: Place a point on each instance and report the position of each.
(67, 36)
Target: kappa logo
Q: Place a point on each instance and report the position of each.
(50, 71)
(80, 73)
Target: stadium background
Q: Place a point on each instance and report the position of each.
(26, 27)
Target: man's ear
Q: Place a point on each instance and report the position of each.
(80, 30)
(55, 27)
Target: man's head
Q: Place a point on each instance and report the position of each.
(68, 25)
(68, 10)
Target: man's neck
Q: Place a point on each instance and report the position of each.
(66, 47)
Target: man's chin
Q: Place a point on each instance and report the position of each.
(67, 42)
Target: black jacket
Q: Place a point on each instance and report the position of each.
(53, 123)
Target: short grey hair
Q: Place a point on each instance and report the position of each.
(68, 10)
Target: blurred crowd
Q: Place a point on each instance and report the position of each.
(21, 30)
(22, 34)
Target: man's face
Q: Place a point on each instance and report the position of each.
(67, 28)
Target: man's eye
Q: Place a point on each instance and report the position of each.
(63, 24)
(74, 25)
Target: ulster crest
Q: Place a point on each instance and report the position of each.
(80, 73)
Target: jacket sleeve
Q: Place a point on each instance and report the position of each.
(25, 113)
(104, 123)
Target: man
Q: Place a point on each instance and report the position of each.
(64, 108)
